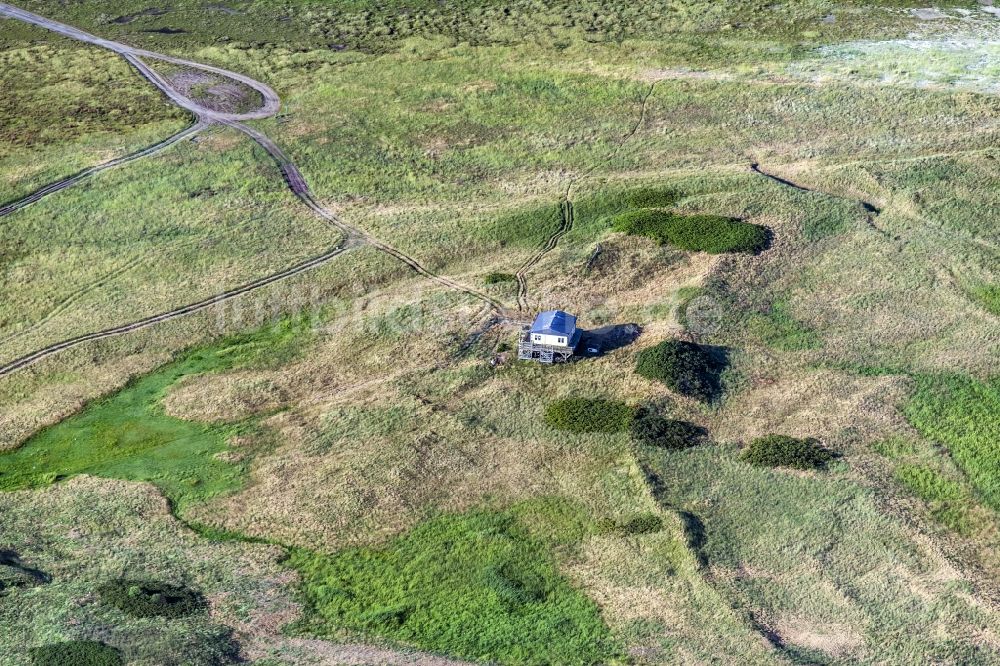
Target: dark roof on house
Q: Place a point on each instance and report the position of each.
(554, 322)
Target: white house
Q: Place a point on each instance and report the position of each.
(552, 337)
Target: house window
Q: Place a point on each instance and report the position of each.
(562, 341)
(538, 338)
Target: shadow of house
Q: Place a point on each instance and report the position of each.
(607, 339)
(553, 337)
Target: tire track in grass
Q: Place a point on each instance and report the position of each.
(302, 267)
(566, 205)
(72, 298)
(206, 117)
(62, 305)
(60, 185)
(299, 187)
(565, 226)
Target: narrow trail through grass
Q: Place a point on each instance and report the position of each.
(871, 210)
(566, 207)
(296, 183)
(69, 181)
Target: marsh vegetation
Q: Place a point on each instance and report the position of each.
(429, 499)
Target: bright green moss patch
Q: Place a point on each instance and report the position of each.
(697, 233)
(589, 415)
(147, 598)
(988, 296)
(76, 653)
(690, 369)
(475, 586)
(129, 436)
(784, 451)
(962, 414)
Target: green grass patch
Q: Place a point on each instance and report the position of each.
(554, 520)
(697, 233)
(690, 369)
(591, 212)
(895, 447)
(72, 539)
(988, 296)
(946, 498)
(961, 413)
(523, 228)
(129, 436)
(928, 484)
(785, 451)
(779, 526)
(148, 598)
(780, 330)
(581, 415)
(474, 585)
(76, 653)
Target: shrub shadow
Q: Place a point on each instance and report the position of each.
(768, 241)
(12, 559)
(719, 358)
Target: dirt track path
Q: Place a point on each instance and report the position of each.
(51, 350)
(60, 185)
(206, 117)
(566, 204)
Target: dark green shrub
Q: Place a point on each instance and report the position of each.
(497, 278)
(688, 368)
(513, 587)
(700, 233)
(653, 430)
(784, 451)
(648, 197)
(588, 415)
(144, 598)
(644, 523)
(76, 653)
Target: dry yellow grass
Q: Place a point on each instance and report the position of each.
(804, 404)
(224, 397)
